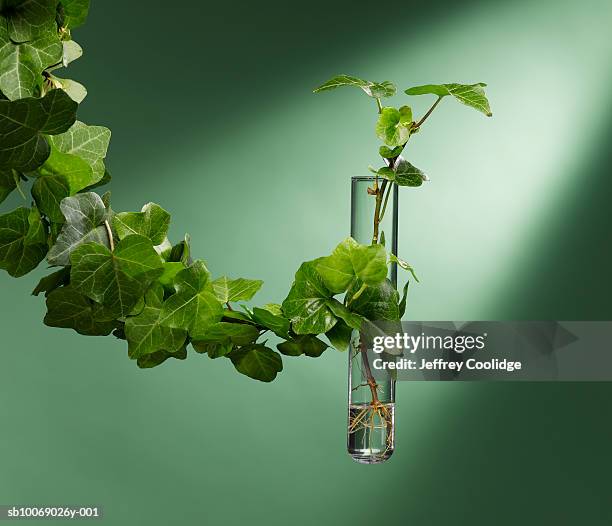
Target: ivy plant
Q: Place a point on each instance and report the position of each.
(118, 272)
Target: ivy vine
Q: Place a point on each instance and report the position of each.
(118, 273)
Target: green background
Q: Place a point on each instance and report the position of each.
(213, 117)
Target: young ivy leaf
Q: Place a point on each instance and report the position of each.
(257, 361)
(373, 89)
(75, 90)
(389, 153)
(115, 279)
(307, 303)
(152, 222)
(85, 215)
(402, 264)
(146, 335)
(22, 242)
(193, 307)
(23, 123)
(472, 95)
(394, 126)
(69, 309)
(350, 261)
(235, 289)
(72, 51)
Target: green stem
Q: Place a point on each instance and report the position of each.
(382, 213)
(418, 124)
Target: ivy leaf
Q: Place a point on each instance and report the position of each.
(274, 322)
(53, 281)
(228, 333)
(472, 95)
(71, 52)
(408, 175)
(153, 222)
(402, 303)
(340, 311)
(257, 361)
(306, 344)
(23, 123)
(76, 91)
(68, 309)
(75, 12)
(373, 89)
(307, 303)
(148, 361)
(106, 178)
(394, 126)
(350, 261)
(146, 335)
(194, 306)
(214, 350)
(20, 251)
(402, 264)
(84, 214)
(8, 182)
(389, 153)
(179, 253)
(115, 279)
(340, 336)
(89, 143)
(168, 276)
(375, 303)
(22, 64)
(48, 192)
(380, 90)
(227, 289)
(37, 232)
(27, 19)
(72, 169)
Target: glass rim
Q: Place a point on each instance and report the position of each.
(364, 177)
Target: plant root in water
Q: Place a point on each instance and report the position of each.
(370, 429)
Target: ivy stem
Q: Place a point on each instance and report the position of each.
(109, 232)
(379, 194)
(229, 307)
(368, 372)
(382, 212)
(429, 112)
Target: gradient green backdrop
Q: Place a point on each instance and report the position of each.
(213, 117)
